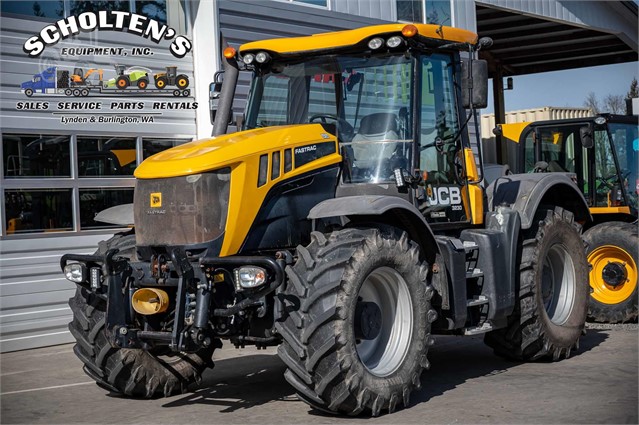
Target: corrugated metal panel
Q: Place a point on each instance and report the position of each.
(242, 21)
(34, 295)
(17, 68)
(380, 9)
(606, 16)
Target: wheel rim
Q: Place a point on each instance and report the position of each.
(613, 276)
(388, 290)
(558, 284)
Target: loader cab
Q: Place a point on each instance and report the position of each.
(602, 152)
(396, 113)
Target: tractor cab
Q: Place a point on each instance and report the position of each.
(395, 107)
(601, 151)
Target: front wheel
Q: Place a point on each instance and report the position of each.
(612, 254)
(553, 292)
(358, 325)
(28, 92)
(133, 372)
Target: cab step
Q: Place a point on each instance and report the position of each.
(474, 273)
(478, 300)
(476, 330)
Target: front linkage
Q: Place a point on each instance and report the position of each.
(199, 315)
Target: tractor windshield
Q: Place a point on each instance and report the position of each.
(367, 102)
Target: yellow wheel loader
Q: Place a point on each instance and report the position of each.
(603, 153)
(346, 222)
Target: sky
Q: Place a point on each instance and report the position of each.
(566, 88)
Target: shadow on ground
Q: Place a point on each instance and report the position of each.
(249, 381)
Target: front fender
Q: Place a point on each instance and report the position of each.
(525, 193)
(396, 211)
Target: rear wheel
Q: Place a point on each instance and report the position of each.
(553, 289)
(182, 81)
(612, 254)
(358, 328)
(142, 83)
(132, 372)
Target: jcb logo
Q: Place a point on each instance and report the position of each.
(156, 200)
(444, 195)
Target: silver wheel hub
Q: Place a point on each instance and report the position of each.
(383, 321)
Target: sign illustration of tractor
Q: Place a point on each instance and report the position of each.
(128, 76)
(170, 78)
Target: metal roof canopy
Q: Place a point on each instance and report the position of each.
(526, 43)
(532, 36)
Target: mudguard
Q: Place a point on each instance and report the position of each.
(121, 215)
(526, 192)
(396, 211)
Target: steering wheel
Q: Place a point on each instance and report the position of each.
(344, 129)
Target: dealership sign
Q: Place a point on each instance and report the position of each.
(109, 21)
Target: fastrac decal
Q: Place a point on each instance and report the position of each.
(107, 21)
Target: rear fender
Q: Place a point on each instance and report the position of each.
(525, 193)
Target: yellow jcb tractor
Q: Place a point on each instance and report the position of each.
(346, 222)
(603, 153)
(170, 78)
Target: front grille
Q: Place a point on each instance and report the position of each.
(181, 210)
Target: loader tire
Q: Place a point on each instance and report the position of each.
(613, 255)
(550, 314)
(133, 372)
(359, 316)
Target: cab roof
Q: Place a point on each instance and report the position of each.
(343, 39)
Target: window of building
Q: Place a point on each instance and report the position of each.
(322, 3)
(437, 11)
(56, 183)
(49, 10)
(28, 156)
(410, 10)
(45, 10)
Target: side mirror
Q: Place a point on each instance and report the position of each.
(476, 85)
(585, 133)
(215, 88)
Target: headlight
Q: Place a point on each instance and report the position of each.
(375, 43)
(248, 58)
(394, 42)
(75, 272)
(249, 277)
(262, 57)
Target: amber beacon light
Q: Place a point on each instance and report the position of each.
(409, 31)
(229, 52)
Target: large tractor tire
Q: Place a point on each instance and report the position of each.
(550, 315)
(122, 82)
(132, 372)
(182, 81)
(613, 255)
(358, 325)
(161, 82)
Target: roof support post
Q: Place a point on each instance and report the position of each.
(500, 113)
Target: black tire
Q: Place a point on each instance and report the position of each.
(28, 92)
(84, 92)
(77, 92)
(182, 81)
(135, 373)
(68, 92)
(550, 314)
(122, 82)
(319, 346)
(161, 82)
(142, 83)
(613, 251)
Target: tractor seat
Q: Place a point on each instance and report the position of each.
(375, 127)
